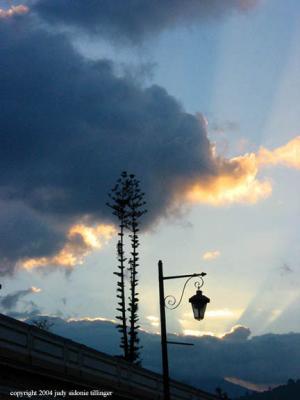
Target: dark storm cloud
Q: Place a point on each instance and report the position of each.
(134, 20)
(24, 314)
(11, 300)
(68, 127)
(24, 234)
(27, 309)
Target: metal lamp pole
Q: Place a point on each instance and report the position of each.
(163, 333)
(174, 304)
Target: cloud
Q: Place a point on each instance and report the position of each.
(249, 385)
(223, 313)
(235, 182)
(237, 179)
(70, 125)
(32, 311)
(152, 318)
(237, 333)
(153, 321)
(13, 11)
(224, 126)
(135, 20)
(211, 255)
(10, 301)
(197, 333)
(24, 232)
(30, 240)
(81, 240)
(76, 126)
(285, 269)
(287, 155)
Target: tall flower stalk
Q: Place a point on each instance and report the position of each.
(127, 204)
(135, 211)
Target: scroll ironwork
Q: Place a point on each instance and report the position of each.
(170, 301)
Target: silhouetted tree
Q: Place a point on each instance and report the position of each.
(221, 394)
(126, 201)
(43, 323)
(135, 211)
(119, 197)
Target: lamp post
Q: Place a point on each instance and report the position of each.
(198, 302)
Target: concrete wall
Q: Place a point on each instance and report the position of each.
(51, 358)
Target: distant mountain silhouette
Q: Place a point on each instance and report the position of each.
(233, 390)
(290, 391)
(207, 363)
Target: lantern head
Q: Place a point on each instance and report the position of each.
(199, 303)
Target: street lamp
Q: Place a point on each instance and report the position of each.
(198, 302)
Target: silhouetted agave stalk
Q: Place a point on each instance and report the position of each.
(136, 210)
(127, 203)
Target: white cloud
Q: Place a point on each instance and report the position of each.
(211, 255)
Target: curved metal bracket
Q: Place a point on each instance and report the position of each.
(170, 301)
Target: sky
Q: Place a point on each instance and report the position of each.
(201, 102)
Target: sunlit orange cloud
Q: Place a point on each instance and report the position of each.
(35, 289)
(236, 180)
(287, 155)
(13, 10)
(75, 250)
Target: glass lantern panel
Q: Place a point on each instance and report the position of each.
(199, 311)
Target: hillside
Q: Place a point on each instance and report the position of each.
(290, 391)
